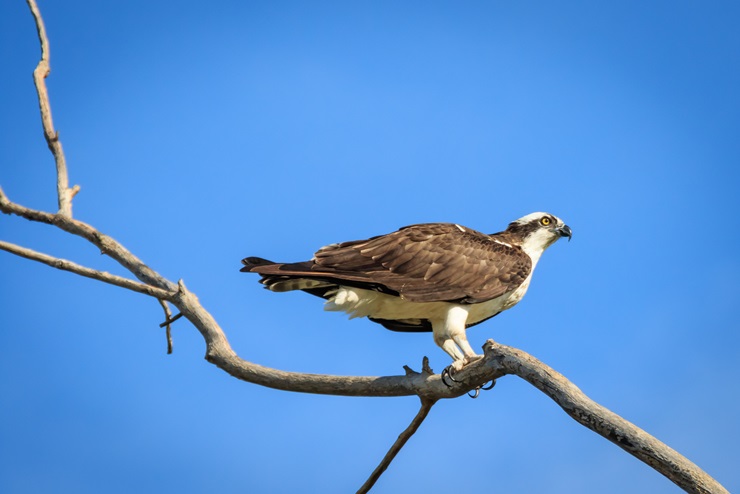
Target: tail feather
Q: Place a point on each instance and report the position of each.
(281, 277)
(254, 262)
(292, 279)
(285, 284)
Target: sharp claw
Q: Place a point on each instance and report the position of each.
(452, 378)
(447, 372)
(486, 388)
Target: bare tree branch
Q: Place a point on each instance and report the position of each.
(168, 320)
(498, 360)
(106, 244)
(70, 266)
(599, 419)
(43, 69)
(403, 437)
(219, 351)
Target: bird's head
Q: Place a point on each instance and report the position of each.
(538, 231)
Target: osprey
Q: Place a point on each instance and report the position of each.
(436, 277)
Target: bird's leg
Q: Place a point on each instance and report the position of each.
(442, 338)
(453, 351)
(455, 328)
(458, 360)
(450, 335)
(462, 341)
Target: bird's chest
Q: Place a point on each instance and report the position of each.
(367, 303)
(484, 310)
(515, 296)
(358, 302)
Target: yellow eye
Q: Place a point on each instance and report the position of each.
(545, 221)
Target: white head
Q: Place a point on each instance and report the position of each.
(536, 232)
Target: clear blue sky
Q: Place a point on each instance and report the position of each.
(205, 132)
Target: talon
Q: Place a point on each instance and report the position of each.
(486, 388)
(477, 392)
(442, 375)
(448, 373)
(452, 378)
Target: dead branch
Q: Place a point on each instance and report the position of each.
(42, 71)
(599, 419)
(168, 320)
(72, 267)
(499, 360)
(104, 243)
(403, 438)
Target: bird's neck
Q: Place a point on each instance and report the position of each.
(536, 243)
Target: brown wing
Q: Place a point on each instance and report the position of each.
(428, 263)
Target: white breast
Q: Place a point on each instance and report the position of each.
(368, 303)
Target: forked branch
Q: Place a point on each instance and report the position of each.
(498, 361)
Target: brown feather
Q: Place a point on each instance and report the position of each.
(422, 263)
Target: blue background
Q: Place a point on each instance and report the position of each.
(205, 132)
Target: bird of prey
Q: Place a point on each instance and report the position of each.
(436, 277)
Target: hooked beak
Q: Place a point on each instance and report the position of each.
(564, 231)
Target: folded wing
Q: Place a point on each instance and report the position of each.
(420, 263)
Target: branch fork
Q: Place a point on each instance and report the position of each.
(498, 360)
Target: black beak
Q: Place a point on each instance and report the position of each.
(564, 231)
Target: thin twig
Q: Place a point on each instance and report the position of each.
(70, 266)
(64, 192)
(171, 319)
(403, 437)
(168, 320)
(106, 244)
